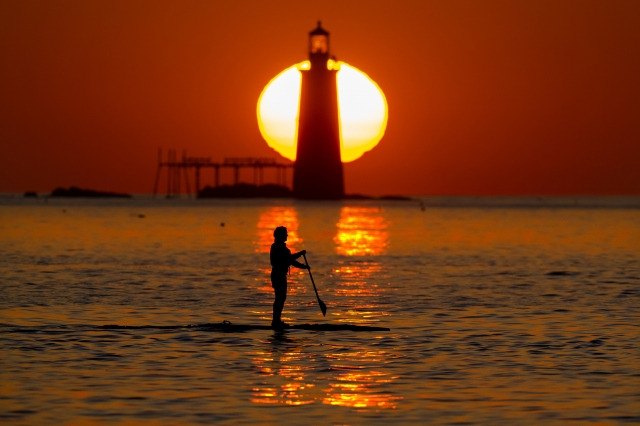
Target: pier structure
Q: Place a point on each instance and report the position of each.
(179, 169)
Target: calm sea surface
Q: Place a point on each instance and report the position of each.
(511, 311)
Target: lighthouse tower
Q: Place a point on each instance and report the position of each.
(317, 172)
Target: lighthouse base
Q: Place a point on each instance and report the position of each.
(318, 183)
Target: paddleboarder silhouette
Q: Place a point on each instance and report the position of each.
(281, 261)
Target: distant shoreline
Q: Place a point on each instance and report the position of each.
(239, 191)
(422, 201)
(76, 192)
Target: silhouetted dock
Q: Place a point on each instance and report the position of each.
(179, 169)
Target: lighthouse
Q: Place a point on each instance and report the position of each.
(318, 170)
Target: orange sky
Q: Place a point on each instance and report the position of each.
(485, 97)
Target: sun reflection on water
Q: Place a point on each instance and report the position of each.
(361, 236)
(272, 218)
(361, 231)
(356, 383)
(348, 378)
(285, 373)
(359, 390)
(358, 291)
(293, 373)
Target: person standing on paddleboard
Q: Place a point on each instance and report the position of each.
(281, 260)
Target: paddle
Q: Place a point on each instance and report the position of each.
(323, 307)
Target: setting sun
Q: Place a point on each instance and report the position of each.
(361, 104)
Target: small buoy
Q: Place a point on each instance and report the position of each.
(221, 223)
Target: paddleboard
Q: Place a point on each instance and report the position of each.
(230, 327)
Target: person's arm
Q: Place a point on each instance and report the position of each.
(297, 264)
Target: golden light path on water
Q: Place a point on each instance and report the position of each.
(360, 233)
(362, 106)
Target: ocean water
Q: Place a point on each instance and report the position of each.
(502, 311)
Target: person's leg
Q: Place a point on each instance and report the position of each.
(280, 289)
(278, 305)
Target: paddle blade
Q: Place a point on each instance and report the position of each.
(323, 307)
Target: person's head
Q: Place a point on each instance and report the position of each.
(280, 233)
